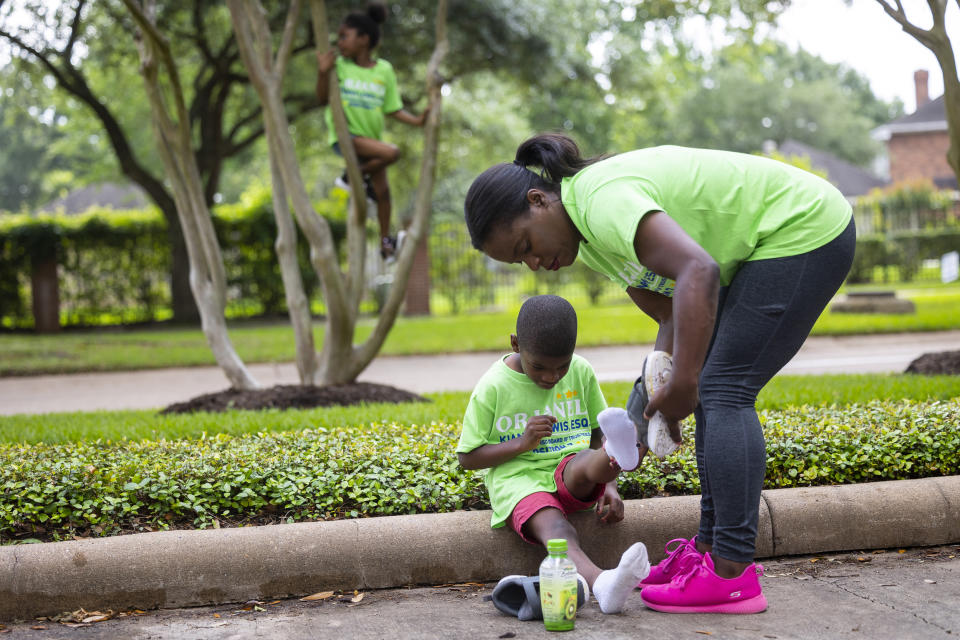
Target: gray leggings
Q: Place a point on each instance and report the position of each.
(763, 317)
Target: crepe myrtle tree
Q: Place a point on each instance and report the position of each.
(340, 360)
(171, 125)
(937, 40)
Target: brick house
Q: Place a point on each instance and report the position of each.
(917, 143)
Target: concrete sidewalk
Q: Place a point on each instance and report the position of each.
(905, 593)
(190, 568)
(883, 353)
(898, 594)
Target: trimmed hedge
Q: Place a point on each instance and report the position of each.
(115, 265)
(905, 249)
(103, 488)
(902, 225)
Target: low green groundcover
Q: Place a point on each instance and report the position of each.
(50, 492)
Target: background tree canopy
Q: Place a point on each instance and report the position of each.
(615, 75)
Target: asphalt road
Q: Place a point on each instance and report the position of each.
(886, 353)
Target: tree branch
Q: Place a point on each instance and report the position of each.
(201, 34)
(74, 31)
(920, 35)
(72, 81)
(166, 58)
(286, 41)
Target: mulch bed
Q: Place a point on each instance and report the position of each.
(295, 397)
(931, 364)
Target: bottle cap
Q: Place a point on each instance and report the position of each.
(556, 545)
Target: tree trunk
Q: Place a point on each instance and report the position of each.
(45, 295)
(423, 199)
(181, 297)
(417, 301)
(298, 306)
(951, 102)
(207, 275)
(339, 360)
(937, 40)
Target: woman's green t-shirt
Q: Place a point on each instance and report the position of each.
(738, 207)
(499, 408)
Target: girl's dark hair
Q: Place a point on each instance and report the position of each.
(499, 194)
(368, 22)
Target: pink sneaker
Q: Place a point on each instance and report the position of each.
(683, 557)
(701, 590)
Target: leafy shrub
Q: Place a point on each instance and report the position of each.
(907, 205)
(901, 225)
(389, 468)
(115, 264)
(905, 250)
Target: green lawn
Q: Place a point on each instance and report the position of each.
(259, 341)
(783, 392)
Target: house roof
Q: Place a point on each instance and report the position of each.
(850, 179)
(930, 117)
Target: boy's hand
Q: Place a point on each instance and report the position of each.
(611, 503)
(538, 427)
(326, 60)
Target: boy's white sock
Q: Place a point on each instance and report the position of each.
(621, 434)
(612, 586)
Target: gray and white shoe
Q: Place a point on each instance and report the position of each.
(655, 374)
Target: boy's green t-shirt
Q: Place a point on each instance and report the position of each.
(738, 207)
(499, 408)
(366, 94)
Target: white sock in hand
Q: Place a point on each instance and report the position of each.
(621, 434)
(612, 586)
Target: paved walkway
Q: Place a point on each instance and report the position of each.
(850, 595)
(886, 353)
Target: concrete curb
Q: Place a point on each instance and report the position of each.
(188, 568)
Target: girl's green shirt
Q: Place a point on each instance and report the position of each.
(366, 94)
(738, 207)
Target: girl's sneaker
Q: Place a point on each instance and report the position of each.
(701, 590)
(388, 248)
(683, 557)
(343, 182)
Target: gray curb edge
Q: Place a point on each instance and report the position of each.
(189, 568)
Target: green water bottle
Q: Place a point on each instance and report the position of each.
(558, 587)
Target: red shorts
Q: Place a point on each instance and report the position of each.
(560, 499)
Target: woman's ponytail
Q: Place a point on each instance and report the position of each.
(556, 154)
(499, 194)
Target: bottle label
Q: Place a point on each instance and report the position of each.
(558, 598)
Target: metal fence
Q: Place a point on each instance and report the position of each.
(463, 280)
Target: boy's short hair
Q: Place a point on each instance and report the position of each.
(547, 326)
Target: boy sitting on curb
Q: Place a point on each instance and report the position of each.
(532, 423)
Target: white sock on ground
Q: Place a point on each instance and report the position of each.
(621, 434)
(612, 586)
